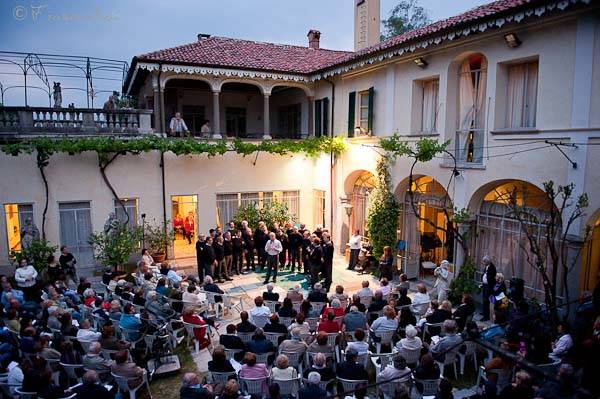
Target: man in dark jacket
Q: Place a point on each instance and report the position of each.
(200, 245)
(269, 295)
(237, 252)
(327, 260)
(91, 387)
(248, 248)
(312, 390)
(489, 280)
(260, 239)
(294, 244)
(192, 389)
(317, 294)
(350, 370)
(209, 258)
(260, 343)
(244, 325)
(232, 341)
(315, 256)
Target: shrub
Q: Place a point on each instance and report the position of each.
(464, 283)
(271, 213)
(37, 254)
(113, 248)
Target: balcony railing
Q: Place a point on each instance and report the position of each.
(468, 146)
(18, 121)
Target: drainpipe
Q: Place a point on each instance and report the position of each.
(162, 154)
(331, 155)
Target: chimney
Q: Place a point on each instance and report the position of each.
(313, 39)
(367, 21)
(202, 36)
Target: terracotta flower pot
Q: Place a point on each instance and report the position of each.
(159, 257)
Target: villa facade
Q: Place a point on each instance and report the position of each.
(513, 85)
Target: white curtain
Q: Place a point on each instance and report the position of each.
(479, 125)
(430, 106)
(522, 95)
(466, 100)
(227, 208)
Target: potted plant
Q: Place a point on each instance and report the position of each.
(158, 237)
(114, 247)
(36, 253)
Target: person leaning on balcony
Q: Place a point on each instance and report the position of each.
(206, 129)
(177, 125)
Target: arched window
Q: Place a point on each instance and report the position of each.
(472, 76)
(501, 236)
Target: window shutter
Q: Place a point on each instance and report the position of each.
(325, 116)
(351, 111)
(318, 118)
(371, 103)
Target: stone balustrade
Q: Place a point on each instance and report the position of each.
(20, 121)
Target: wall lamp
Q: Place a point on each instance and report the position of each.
(420, 62)
(512, 40)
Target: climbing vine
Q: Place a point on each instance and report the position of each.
(313, 146)
(384, 210)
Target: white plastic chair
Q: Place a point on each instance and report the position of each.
(412, 357)
(272, 305)
(274, 337)
(230, 353)
(85, 344)
(296, 305)
(254, 386)
(123, 383)
(429, 387)
(428, 326)
(233, 302)
(221, 377)
(504, 376)
(25, 394)
(245, 336)
(313, 322)
(70, 369)
(318, 306)
(263, 357)
(385, 338)
(260, 321)
(286, 321)
(471, 350)
(190, 328)
(288, 388)
(450, 358)
(350, 385)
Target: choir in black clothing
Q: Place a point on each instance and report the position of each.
(221, 255)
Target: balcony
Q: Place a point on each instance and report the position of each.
(17, 122)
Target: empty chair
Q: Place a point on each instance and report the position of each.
(429, 387)
(254, 386)
(470, 350)
(123, 383)
(286, 321)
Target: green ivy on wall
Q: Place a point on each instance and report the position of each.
(384, 211)
(311, 147)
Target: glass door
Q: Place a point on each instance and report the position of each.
(185, 221)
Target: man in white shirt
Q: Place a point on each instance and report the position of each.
(260, 310)
(177, 125)
(355, 245)
(365, 291)
(85, 334)
(273, 248)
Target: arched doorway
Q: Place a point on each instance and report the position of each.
(426, 240)
(500, 235)
(363, 185)
(289, 113)
(241, 110)
(590, 257)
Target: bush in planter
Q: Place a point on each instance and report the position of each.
(157, 238)
(113, 248)
(37, 254)
(271, 213)
(464, 283)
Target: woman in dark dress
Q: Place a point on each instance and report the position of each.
(386, 263)
(287, 309)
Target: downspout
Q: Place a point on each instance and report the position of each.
(162, 153)
(331, 155)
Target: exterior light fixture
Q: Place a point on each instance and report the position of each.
(420, 62)
(348, 208)
(512, 40)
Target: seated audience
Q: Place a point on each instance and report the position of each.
(282, 369)
(287, 309)
(251, 369)
(354, 320)
(244, 325)
(219, 362)
(269, 295)
(122, 367)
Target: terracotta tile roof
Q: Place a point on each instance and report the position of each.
(482, 12)
(245, 54)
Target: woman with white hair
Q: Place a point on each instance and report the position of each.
(336, 307)
(442, 281)
(411, 342)
(283, 370)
